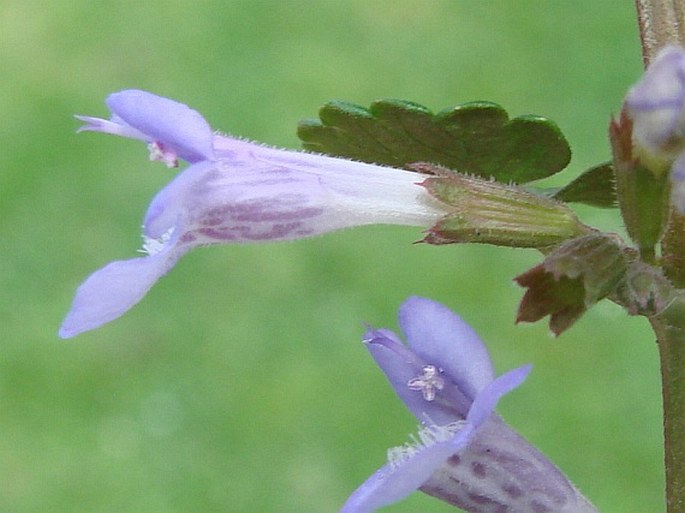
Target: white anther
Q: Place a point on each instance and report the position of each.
(429, 382)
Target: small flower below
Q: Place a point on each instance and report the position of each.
(463, 454)
(656, 108)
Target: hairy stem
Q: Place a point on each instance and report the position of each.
(669, 327)
(673, 250)
(661, 22)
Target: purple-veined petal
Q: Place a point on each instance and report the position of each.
(443, 339)
(165, 121)
(222, 205)
(396, 480)
(248, 199)
(366, 193)
(111, 291)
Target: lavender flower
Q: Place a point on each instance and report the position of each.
(234, 192)
(656, 106)
(464, 454)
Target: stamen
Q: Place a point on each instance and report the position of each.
(429, 382)
(166, 155)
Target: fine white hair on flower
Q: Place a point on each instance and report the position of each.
(426, 436)
(152, 246)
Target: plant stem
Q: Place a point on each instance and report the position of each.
(661, 22)
(669, 327)
(673, 250)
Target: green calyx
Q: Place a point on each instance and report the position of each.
(486, 211)
(643, 192)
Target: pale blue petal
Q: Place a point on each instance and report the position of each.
(391, 484)
(111, 291)
(166, 121)
(442, 338)
(400, 364)
(662, 84)
(112, 126)
(656, 102)
(486, 401)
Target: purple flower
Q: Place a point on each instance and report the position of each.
(235, 191)
(656, 106)
(464, 453)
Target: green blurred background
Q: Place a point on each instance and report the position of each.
(239, 383)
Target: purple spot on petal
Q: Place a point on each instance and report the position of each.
(538, 507)
(454, 460)
(533, 479)
(512, 491)
(483, 503)
(478, 469)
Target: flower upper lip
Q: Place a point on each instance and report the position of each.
(142, 115)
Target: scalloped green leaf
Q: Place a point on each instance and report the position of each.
(596, 187)
(477, 138)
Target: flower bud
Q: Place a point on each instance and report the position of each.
(656, 104)
(643, 195)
